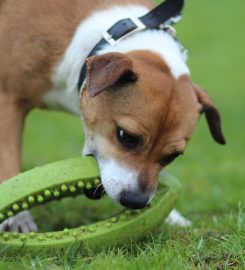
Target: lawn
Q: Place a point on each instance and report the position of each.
(212, 176)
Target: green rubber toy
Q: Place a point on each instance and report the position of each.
(69, 178)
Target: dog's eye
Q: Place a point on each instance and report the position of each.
(169, 158)
(127, 140)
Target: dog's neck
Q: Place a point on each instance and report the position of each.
(64, 94)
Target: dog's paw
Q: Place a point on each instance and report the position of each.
(22, 222)
(175, 218)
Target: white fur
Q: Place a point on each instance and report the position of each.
(22, 222)
(61, 99)
(156, 41)
(86, 36)
(117, 178)
(64, 94)
(89, 144)
(175, 218)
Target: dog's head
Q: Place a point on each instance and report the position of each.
(138, 119)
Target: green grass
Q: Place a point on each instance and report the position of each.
(212, 176)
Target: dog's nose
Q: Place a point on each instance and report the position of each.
(133, 200)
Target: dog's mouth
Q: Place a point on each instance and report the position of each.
(95, 193)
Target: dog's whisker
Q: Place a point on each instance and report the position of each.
(96, 190)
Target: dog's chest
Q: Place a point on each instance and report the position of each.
(61, 99)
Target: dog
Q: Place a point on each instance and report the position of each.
(137, 102)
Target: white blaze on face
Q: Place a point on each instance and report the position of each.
(117, 178)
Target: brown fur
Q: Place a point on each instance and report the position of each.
(162, 110)
(11, 119)
(100, 75)
(33, 38)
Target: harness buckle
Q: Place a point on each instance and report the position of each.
(169, 29)
(139, 26)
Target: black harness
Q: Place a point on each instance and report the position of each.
(155, 19)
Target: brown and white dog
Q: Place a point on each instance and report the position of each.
(139, 105)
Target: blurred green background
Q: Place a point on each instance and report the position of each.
(213, 176)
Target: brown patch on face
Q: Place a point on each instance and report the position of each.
(161, 110)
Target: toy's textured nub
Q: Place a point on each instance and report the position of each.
(70, 178)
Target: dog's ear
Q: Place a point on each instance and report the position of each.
(211, 113)
(107, 70)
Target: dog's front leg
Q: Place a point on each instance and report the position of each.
(11, 123)
(12, 115)
(175, 218)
